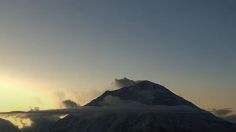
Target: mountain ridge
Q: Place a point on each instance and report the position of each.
(144, 92)
(142, 107)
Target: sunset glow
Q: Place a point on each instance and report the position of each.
(18, 94)
(57, 56)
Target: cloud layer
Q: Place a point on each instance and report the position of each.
(225, 113)
(125, 82)
(69, 104)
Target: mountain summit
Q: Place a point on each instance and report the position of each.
(142, 107)
(143, 92)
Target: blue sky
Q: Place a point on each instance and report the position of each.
(187, 45)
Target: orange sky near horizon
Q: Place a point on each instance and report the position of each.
(52, 50)
(20, 94)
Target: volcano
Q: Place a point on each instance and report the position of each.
(144, 92)
(142, 107)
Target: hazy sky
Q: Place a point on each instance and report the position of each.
(58, 49)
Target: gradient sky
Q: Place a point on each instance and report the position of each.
(57, 49)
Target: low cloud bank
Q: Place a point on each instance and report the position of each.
(225, 113)
(69, 104)
(40, 120)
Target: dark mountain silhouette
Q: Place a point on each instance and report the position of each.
(142, 107)
(6, 126)
(144, 92)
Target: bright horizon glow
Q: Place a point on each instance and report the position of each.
(51, 50)
(20, 95)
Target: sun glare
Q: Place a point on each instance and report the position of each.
(19, 95)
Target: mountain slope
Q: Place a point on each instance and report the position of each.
(142, 107)
(127, 120)
(144, 92)
(6, 126)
